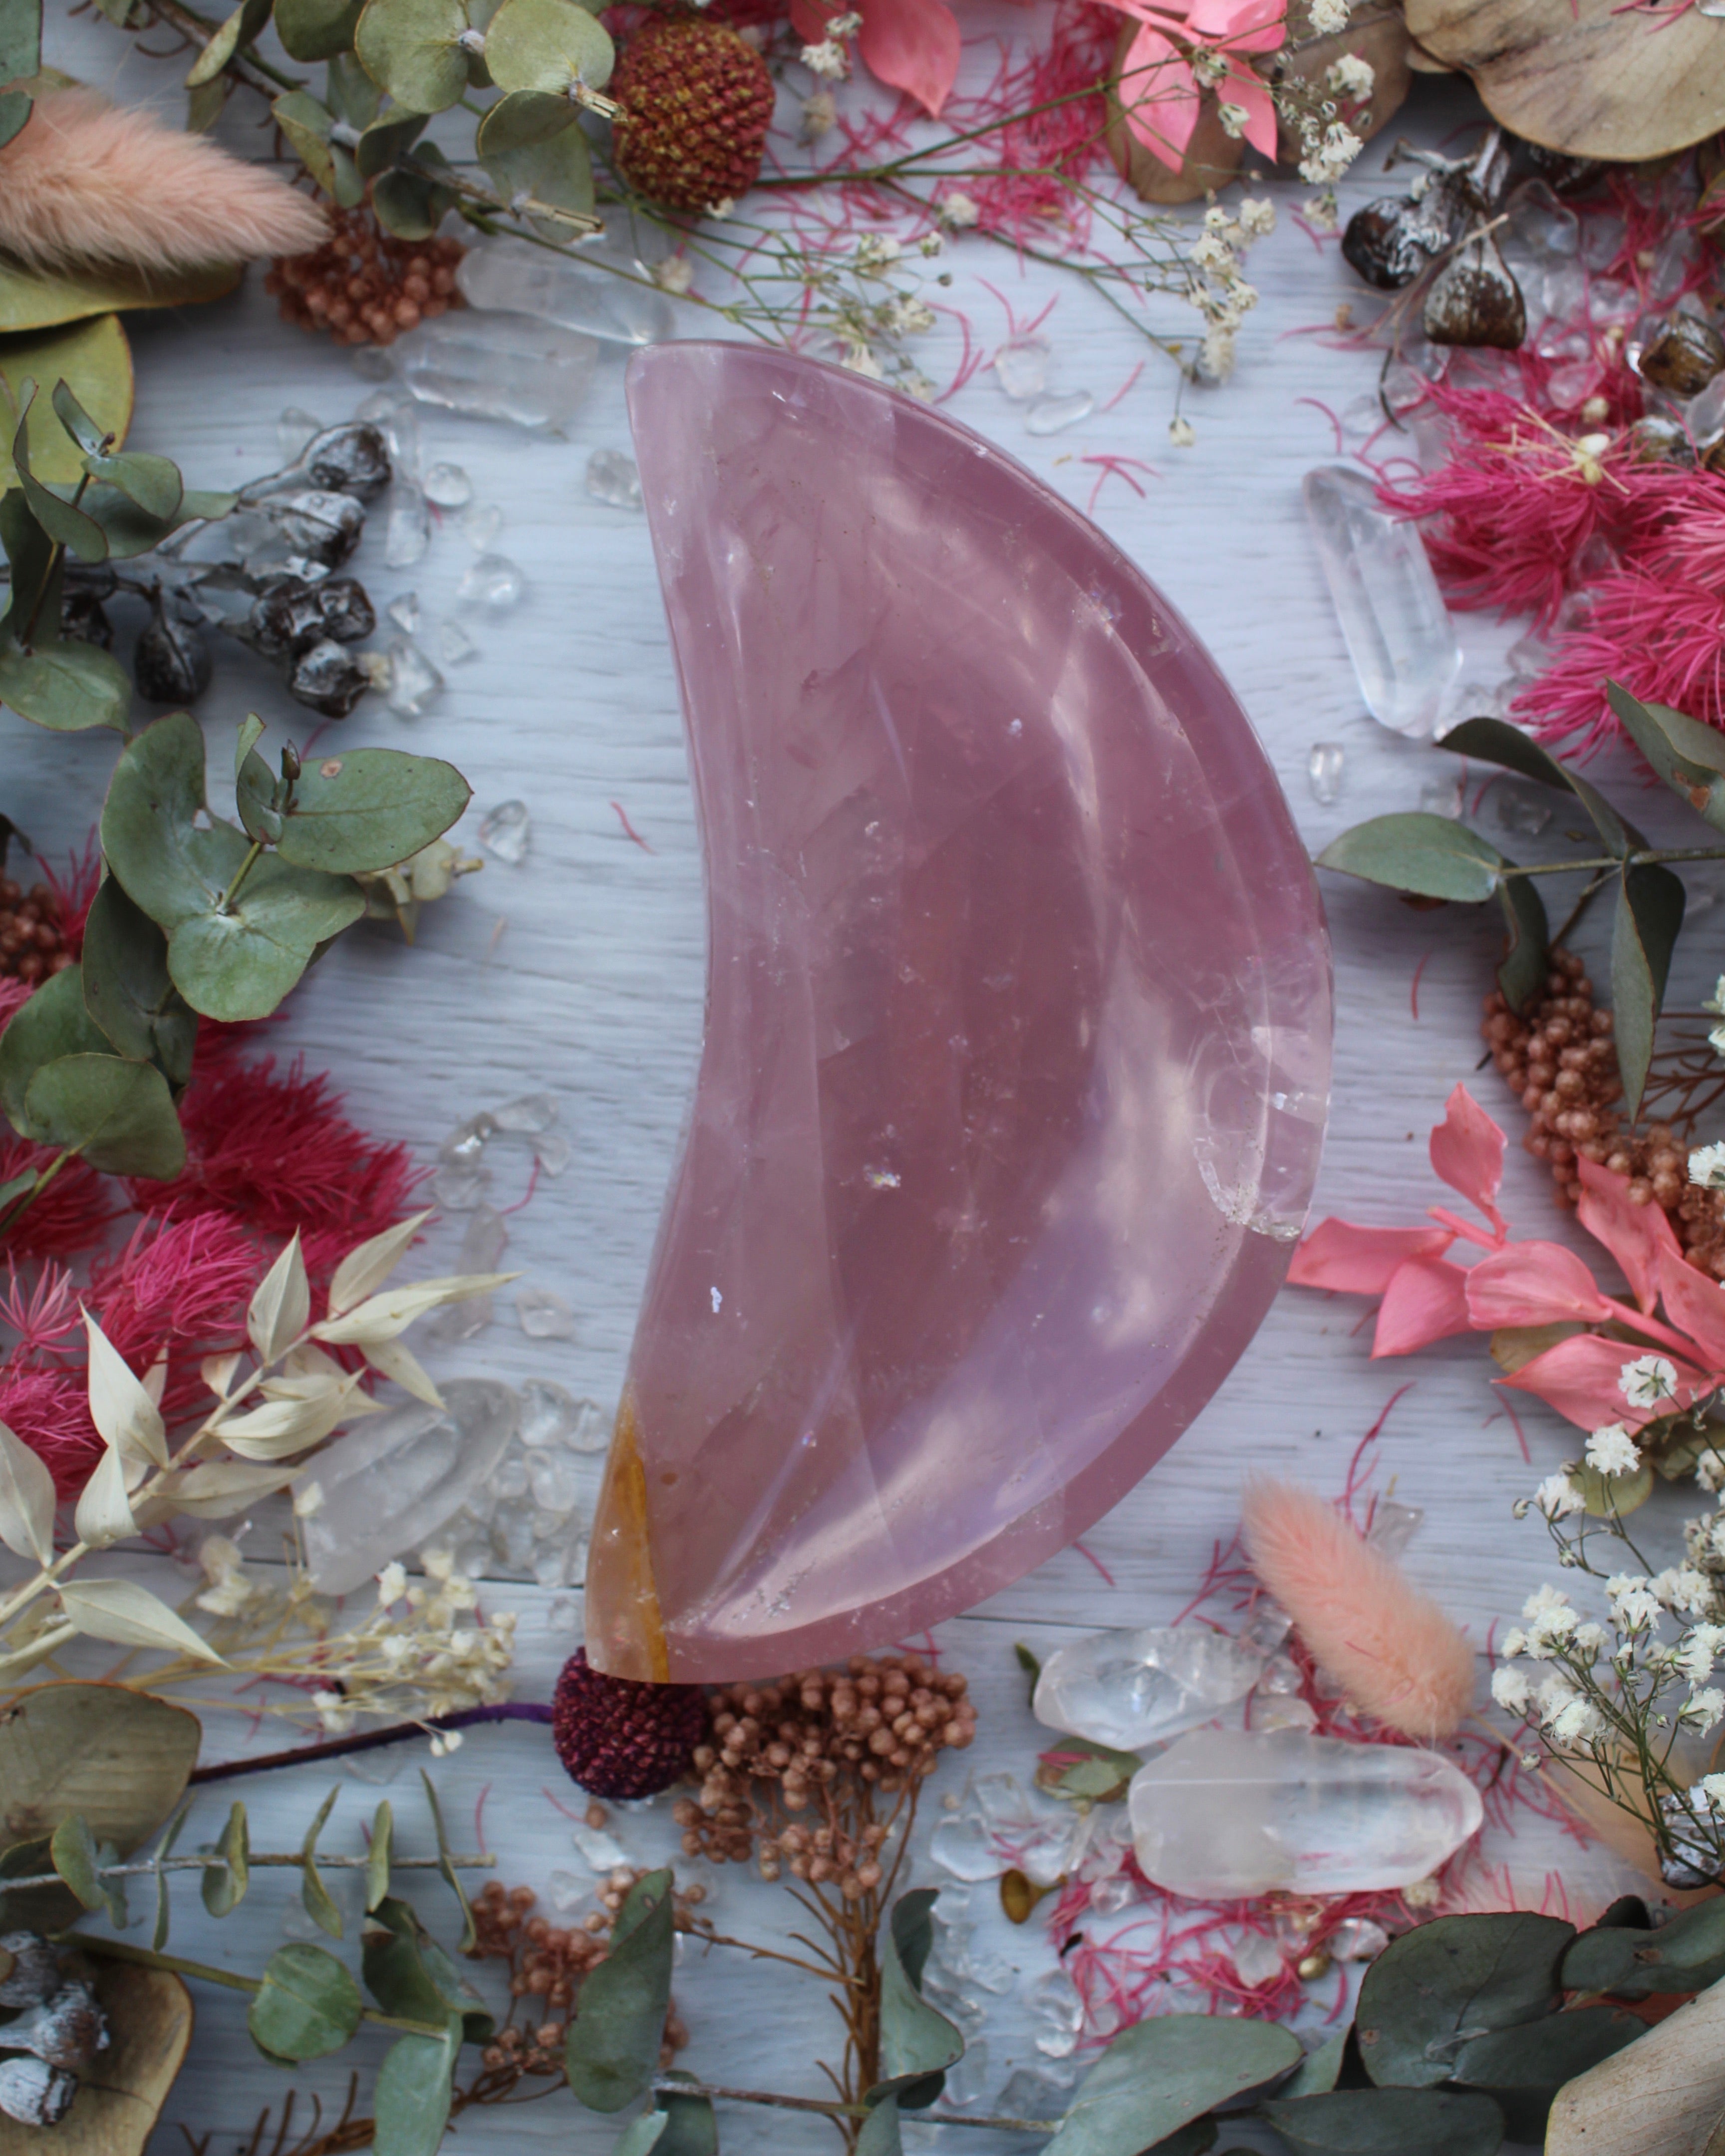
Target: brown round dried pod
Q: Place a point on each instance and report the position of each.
(697, 100)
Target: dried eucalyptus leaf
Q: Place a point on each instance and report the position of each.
(351, 94)
(521, 120)
(408, 1973)
(412, 2099)
(92, 359)
(690, 2128)
(1436, 1987)
(314, 1895)
(1495, 741)
(205, 104)
(452, 1877)
(306, 125)
(20, 57)
(159, 1937)
(1612, 1496)
(225, 1885)
(378, 1854)
(127, 992)
(281, 1306)
(1432, 856)
(548, 45)
(917, 2043)
(385, 141)
(27, 1500)
(36, 299)
(412, 49)
(317, 29)
(1160, 2076)
(1687, 1954)
(412, 204)
(1522, 2068)
(72, 1848)
(120, 1757)
(1689, 757)
(370, 808)
(308, 2006)
(612, 2050)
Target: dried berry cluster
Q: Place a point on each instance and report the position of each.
(33, 944)
(547, 1962)
(1561, 1062)
(363, 286)
(881, 1723)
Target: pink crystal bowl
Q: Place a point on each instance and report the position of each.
(1018, 1032)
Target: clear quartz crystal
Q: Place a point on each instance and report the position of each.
(554, 1483)
(1394, 1526)
(1442, 796)
(397, 419)
(448, 486)
(603, 1852)
(1051, 415)
(1356, 1938)
(1526, 807)
(405, 612)
(481, 525)
(483, 1243)
(493, 583)
(616, 304)
(413, 681)
(1540, 226)
(544, 1315)
(550, 1413)
(1056, 2006)
(506, 832)
(1705, 414)
(500, 367)
(293, 429)
(454, 644)
(1323, 768)
(1021, 367)
(1131, 1689)
(393, 1481)
(407, 533)
(1256, 1957)
(553, 1152)
(614, 479)
(529, 1114)
(459, 1189)
(1234, 1813)
(1397, 629)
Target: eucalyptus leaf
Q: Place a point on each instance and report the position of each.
(225, 1886)
(119, 1115)
(411, 2102)
(317, 29)
(91, 359)
(38, 570)
(385, 141)
(641, 2134)
(690, 2128)
(1318, 2072)
(74, 1850)
(127, 993)
(522, 121)
(612, 2050)
(378, 1854)
(306, 125)
(1612, 1496)
(238, 30)
(1522, 2068)
(119, 1758)
(68, 687)
(205, 104)
(1687, 1954)
(64, 521)
(308, 2006)
(1434, 1988)
(452, 1878)
(151, 484)
(413, 202)
(557, 172)
(1644, 932)
(257, 793)
(1389, 2122)
(94, 438)
(350, 92)
(409, 1975)
(1526, 963)
(548, 45)
(1495, 741)
(917, 2043)
(16, 107)
(20, 57)
(314, 1895)
(1429, 856)
(881, 2135)
(159, 1937)
(35, 300)
(1689, 757)
(52, 1023)
(412, 50)
(1160, 2074)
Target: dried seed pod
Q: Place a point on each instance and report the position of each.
(348, 614)
(1657, 440)
(29, 1970)
(324, 526)
(328, 678)
(35, 2094)
(353, 459)
(83, 618)
(1391, 240)
(1682, 355)
(1474, 300)
(172, 662)
(67, 2029)
(293, 615)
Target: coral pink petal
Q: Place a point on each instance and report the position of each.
(1533, 1284)
(1467, 1153)
(1693, 1303)
(85, 181)
(1635, 1236)
(1160, 96)
(1339, 1255)
(911, 45)
(1426, 1301)
(809, 18)
(1243, 26)
(1579, 1378)
(1390, 1647)
(1251, 94)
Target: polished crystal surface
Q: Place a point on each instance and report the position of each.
(617, 303)
(498, 367)
(1131, 1689)
(1018, 1031)
(1232, 1813)
(1397, 628)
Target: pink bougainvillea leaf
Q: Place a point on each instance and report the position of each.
(1252, 95)
(1533, 1283)
(1426, 1300)
(1239, 26)
(809, 18)
(1693, 1303)
(1361, 1260)
(1467, 1153)
(1160, 96)
(911, 45)
(1635, 1236)
(1579, 1378)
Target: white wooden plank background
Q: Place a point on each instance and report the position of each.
(581, 972)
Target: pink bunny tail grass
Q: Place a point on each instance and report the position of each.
(1390, 1648)
(85, 181)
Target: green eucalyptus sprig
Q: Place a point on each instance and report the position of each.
(1439, 858)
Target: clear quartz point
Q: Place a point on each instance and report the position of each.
(1356, 1938)
(544, 1315)
(407, 531)
(459, 1189)
(1131, 1689)
(1052, 415)
(413, 681)
(1021, 367)
(493, 583)
(553, 1152)
(1232, 1813)
(448, 486)
(616, 305)
(510, 368)
(506, 832)
(481, 525)
(396, 1479)
(614, 479)
(404, 613)
(528, 1115)
(1394, 1526)
(1397, 628)
(483, 1243)
(455, 646)
(1323, 768)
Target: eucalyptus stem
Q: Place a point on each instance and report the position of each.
(200, 30)
(240, 875)
(664, 2086)
(1642, 857)
(207, 1973)
(25, 1200)
(294, 1861)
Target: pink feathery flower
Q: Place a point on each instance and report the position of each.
(69, 1217)
(47, 1408)
(179, 1287)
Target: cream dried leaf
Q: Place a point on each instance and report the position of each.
(365, 1269)
(396, 1360)
(217, 1372)
(281, 1428)
(282, 1305)
(121, 1409)
(26, 1500)
(105, 1513)
(382, 1316)
(129, 1615)
(217, 1489)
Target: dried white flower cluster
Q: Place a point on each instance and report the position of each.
(1221, 292)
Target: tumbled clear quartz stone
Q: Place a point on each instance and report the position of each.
(1323, 768)
(1227, 1814)
(1394, 1526)
(530, 1113)
(498, 367)
(617, 303)
(407, 533)
(493, 583)
(395, 1479)
(1397, 629)
(455, 645)
(481, 525)
(1053, 415)
(413, 681)
(448, 486)
(404, 613)
(613, 478)
(542, 1314)
(1021, 367)
(507, 831)
(1131, 1689)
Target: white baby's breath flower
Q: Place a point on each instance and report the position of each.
(1612, 1450)
(1352, 77)
(1510, 1689)
(1711, 1790)
(1716, 1002)
(391, 1584)
(1681, 1587)
(443, 1741)
(1696, 1651)
(1575, 1722)
(820, 115)
(1705, 1710)
(1589, 1639)
(1647, 1380)
(1554, 1693)
(1327, 16)
(876, 250)
(675, 274)
(1257, 217)
(957, 211)
(1234, 119)
(1706, 1163)
(1328, 160)
(308, 1501)
(1543, 1601)
(1515, 1642)
(1557, 1496)
(333, 1711)
(826, 58)
(439, 1564)
(1180, 434)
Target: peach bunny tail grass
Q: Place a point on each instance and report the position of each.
(1390, 1648)
(85, 181)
